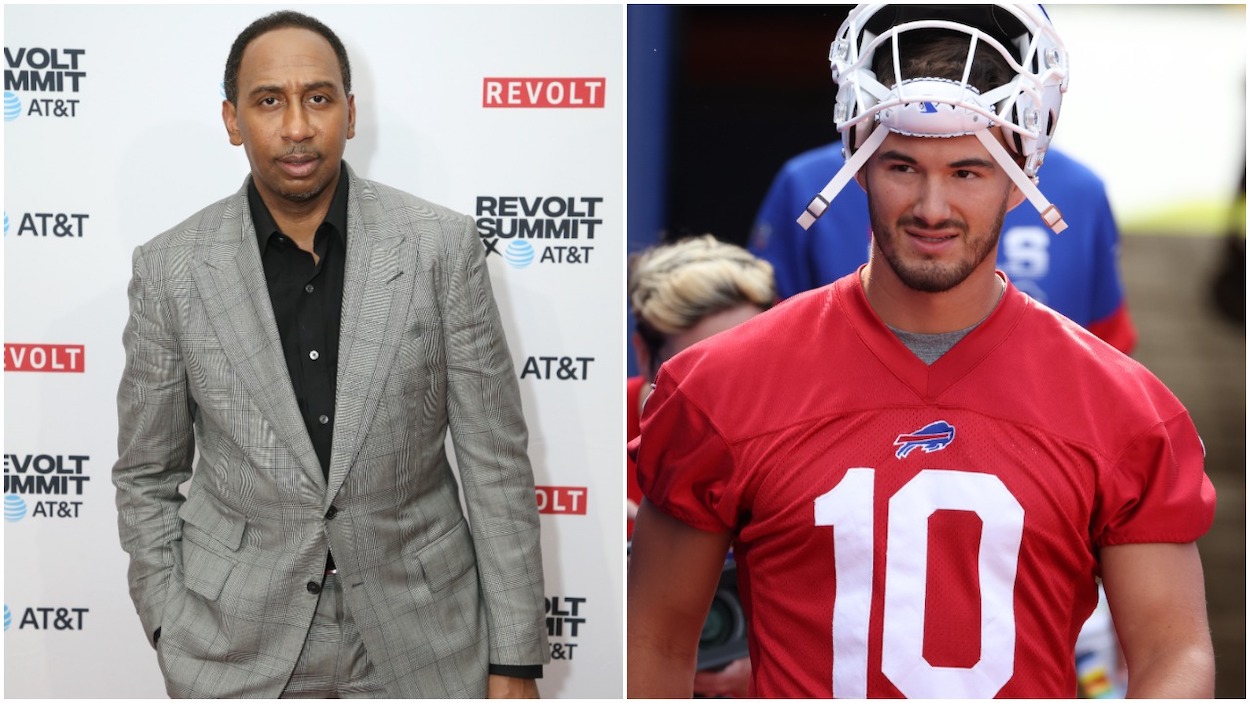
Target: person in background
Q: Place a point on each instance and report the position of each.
(681, 293)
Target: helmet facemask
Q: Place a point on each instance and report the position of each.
(1025, 106)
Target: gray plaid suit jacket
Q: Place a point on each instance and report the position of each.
(225, 573)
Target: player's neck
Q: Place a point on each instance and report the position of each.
(910, 310)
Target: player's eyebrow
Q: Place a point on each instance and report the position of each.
(973, 162)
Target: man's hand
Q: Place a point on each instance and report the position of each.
(510, 687)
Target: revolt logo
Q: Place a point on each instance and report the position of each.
(566, 618)
(549, 229)
(42, 70)
(45, 358)
(561, 500)
(543, 92)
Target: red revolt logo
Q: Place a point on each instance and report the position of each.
(561, 500)
(543, 92)
(45, 358)
(42, 70)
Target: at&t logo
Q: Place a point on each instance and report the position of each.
(14, 509)
(51, 225)
(39, 70)
(12, 106)
(566, 617)
(519, 254)
(557, 368)
(43, 485)
(48, 618)
(551, 229)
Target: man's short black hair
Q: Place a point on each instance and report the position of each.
(281, 20)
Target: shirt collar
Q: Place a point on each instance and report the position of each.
(336, 216)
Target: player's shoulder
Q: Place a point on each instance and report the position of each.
(1068, 353)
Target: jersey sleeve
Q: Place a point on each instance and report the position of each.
(684, 464)
(1109, 318)
(1156, 491)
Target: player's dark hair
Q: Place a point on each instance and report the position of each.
(937, 53)
(281, 20)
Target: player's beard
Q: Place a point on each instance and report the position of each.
(930, 275)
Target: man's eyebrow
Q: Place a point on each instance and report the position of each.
(974, 162)
(310, 86)
(893, 155)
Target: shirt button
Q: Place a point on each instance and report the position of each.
(324, 419)
(308, 288)
(314, 587)
(313, 355)
(331, 512)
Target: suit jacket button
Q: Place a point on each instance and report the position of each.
(331, 512)
(314, 587)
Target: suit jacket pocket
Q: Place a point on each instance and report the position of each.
(447, 558)
(209, 532)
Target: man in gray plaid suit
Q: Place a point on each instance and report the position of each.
(313, 337)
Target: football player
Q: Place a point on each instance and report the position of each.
(921, 470)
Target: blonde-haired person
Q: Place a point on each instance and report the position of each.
(682, 293)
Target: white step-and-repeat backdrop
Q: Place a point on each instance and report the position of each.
(113, 133)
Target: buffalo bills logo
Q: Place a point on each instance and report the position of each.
(931, 438)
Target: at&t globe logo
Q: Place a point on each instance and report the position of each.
(8, 617)
(519, 254)
(12, 106)
(14, 508)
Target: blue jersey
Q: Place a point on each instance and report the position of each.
(1074, 273)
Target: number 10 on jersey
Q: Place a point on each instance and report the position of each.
(848, 509)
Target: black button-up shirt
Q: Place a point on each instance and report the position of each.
(307, 300)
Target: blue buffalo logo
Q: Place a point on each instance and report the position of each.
(931, 438)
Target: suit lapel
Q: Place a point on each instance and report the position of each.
(374, 290)
(232, 284)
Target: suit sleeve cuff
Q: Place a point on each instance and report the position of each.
(519, 671)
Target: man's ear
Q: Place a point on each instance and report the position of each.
(1015, 198)
(351, 116)
(230, 117)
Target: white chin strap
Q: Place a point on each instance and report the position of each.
(820, 203)
(1050, 214)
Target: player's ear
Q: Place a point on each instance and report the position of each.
(862, 179)
(1015, 198)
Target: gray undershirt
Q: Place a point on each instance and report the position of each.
(931, 347)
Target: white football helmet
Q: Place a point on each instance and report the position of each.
(1025, 107)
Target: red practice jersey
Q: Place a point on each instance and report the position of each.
(912, 530)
